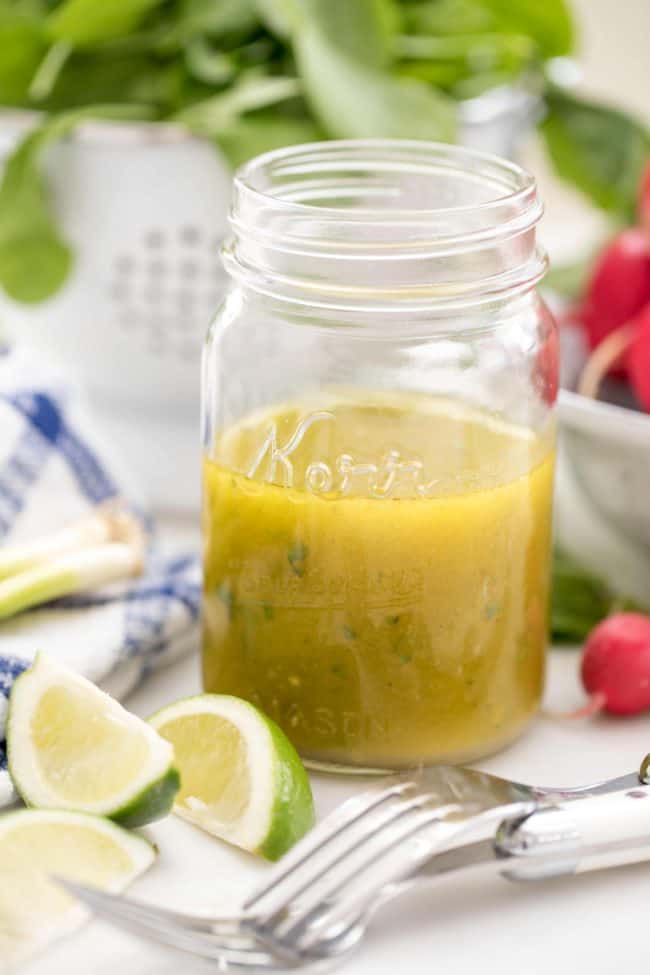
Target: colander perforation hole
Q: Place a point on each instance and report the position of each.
(190, 235)
(156, 269)
(154, 239)
(189, 269)
(164, 290)
(125, 264)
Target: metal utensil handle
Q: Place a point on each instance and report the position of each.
(607, 831)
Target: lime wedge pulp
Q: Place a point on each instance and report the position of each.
(241, 777)
(71, 746)
(38, 844)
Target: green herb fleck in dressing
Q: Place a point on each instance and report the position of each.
(297, 556)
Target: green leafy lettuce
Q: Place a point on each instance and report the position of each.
(34, 259)
(580, 600)
(598, 149)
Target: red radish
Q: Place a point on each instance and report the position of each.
(619, 286)
(616, 664)
(638, 358)
(644, 199)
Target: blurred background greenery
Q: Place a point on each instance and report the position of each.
(252, 75)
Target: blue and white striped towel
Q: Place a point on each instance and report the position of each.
(53, 469)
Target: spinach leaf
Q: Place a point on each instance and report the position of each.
(93, 77)
(241, 122)
(253, 92)
(206, 64)
(22, 47)
(549, 22)
(84, 22)
(249, 135)
(34, 259)
(252, 75)
(281, 17)
(546, 22)
(580, 600)
(364, 30)
(218, 18)
(351, 100)
(27, 8)
(435, 17)
(600, 150)
(448, 60)
(49, 70)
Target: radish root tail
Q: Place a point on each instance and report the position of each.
(602, 359)
(594, 705)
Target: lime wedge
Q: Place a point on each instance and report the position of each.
(70, 746)
(38, 844)
(241, 777)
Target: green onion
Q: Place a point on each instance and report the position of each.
(72, 573)
(109, 523)
(19, 558)
(103, 548)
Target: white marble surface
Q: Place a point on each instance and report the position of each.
(596, 922)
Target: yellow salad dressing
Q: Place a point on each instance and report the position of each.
(377, 575)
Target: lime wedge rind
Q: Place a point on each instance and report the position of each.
(147, 796)
(279, 806)
(35, 844)
(293, 807)
(153, 803)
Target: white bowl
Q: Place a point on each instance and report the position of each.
(608, 448)
(602, 496)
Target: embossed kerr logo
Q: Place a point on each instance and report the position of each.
(346, 475)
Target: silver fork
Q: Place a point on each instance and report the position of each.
(316, 903)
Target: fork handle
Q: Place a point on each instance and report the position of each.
(593, 834)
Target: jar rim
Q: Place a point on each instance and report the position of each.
(460, 157)
(339, 205)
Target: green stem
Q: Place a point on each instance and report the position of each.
(48, 71)
(108, 523)
(76, 572)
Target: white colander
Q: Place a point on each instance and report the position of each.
(145, 209)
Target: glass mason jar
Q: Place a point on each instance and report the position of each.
(378, 430)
